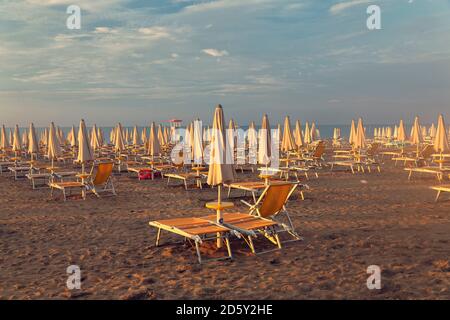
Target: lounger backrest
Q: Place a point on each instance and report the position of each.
(104, 171)
(320, 149)
(275, 197)
(427, 151)
(373, 149)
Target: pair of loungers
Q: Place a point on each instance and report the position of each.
(97, 183)
(264, 218)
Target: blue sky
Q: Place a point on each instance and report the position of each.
(142, 61)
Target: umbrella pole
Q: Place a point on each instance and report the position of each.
(219, 214)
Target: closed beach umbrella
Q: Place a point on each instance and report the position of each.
(441, 140)
(33, 145)
(162, 142)
(265, 142)
(313, 132)
(84, 148)
(432, 131)
(95, 143)
(4, 139)
(119, 144)
(154, 147)
(231, 142)
(416, 133)
(252, 138)
(73, 137)
(298, 134)
(307, 134)
(166, 133)
(287, 142)
(360, 140)
(136, 138)
(401, 132)
(17, 145)
(352, 137)
(144, 136)
(219, 172)
(25, 139)
(53, 147)
(197, 148)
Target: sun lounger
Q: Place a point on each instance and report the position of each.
(4, 166)
(265, 216)
(19, 172)
(438, 172)
(195, 230)
(440, 189)
(39, 180)
(185, 177)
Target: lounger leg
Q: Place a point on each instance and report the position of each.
(437, 196)
(185, 184)
(198, 252)
(158, 237)
(227, 243)
(302, 195)
(250, 243)
(229, 192)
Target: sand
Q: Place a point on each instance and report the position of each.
(348, 223)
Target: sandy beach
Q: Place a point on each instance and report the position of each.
(348, 223)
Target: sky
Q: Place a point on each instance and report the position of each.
(138, 61)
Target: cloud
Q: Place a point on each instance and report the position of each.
(155, 32)
(223, 4)
(104, 30)
(215, 52)
(342, 6)
(89, 5)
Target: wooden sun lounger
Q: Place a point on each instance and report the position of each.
(254, 187)
(439, 172)
(19, 172)
(4, 166)
(440, 189)
(185, 177)
(39, 179)
(69, 185)
(195, 230)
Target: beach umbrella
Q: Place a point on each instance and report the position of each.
(307, 134)
(136, 138)
(101, 140)
(298, 134)
(441, 140)
(154, 147)
(313, 132)
(191, 136)
(25, 138)
(72, 137)
(231, 141)
(162, 142)
(416, 134)
(197, 147)
(287, 142)
(94, 141)
(432, 131)
(252, 138)
(389, 132)
(119, 144)
(375, 133)
(219, 172)
(11, 139)
(401, 132)
(144, 136)
(352, 136)
(166, 134)
(265, 142)
(33, 145)
(16, 145)
(395, 135)
(84, 150)
(4, 139)
(360, 139)
(53, 146)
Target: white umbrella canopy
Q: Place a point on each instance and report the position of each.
(162, 142)
(307, 134)
(265, 142)
(16, 145)
(94, 141)
(432, 131)
(166, 134)
(119, 144)
(33, 145)
(252, 139)
(197, 148)
(401, 132)
(287, 142)
(360, 140)
(144, 136)
(53, 147)
(441, 140)
(352, 137)
(11, 139)
(25, 140)
(4, 139)
(84, 150)
(298, 134)
(313, 132)
(389, 132)
(72, 137)
(101, 140)
(136, 138)
(395, 135)
(231, 141)
(416, 134)
(154, 148)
